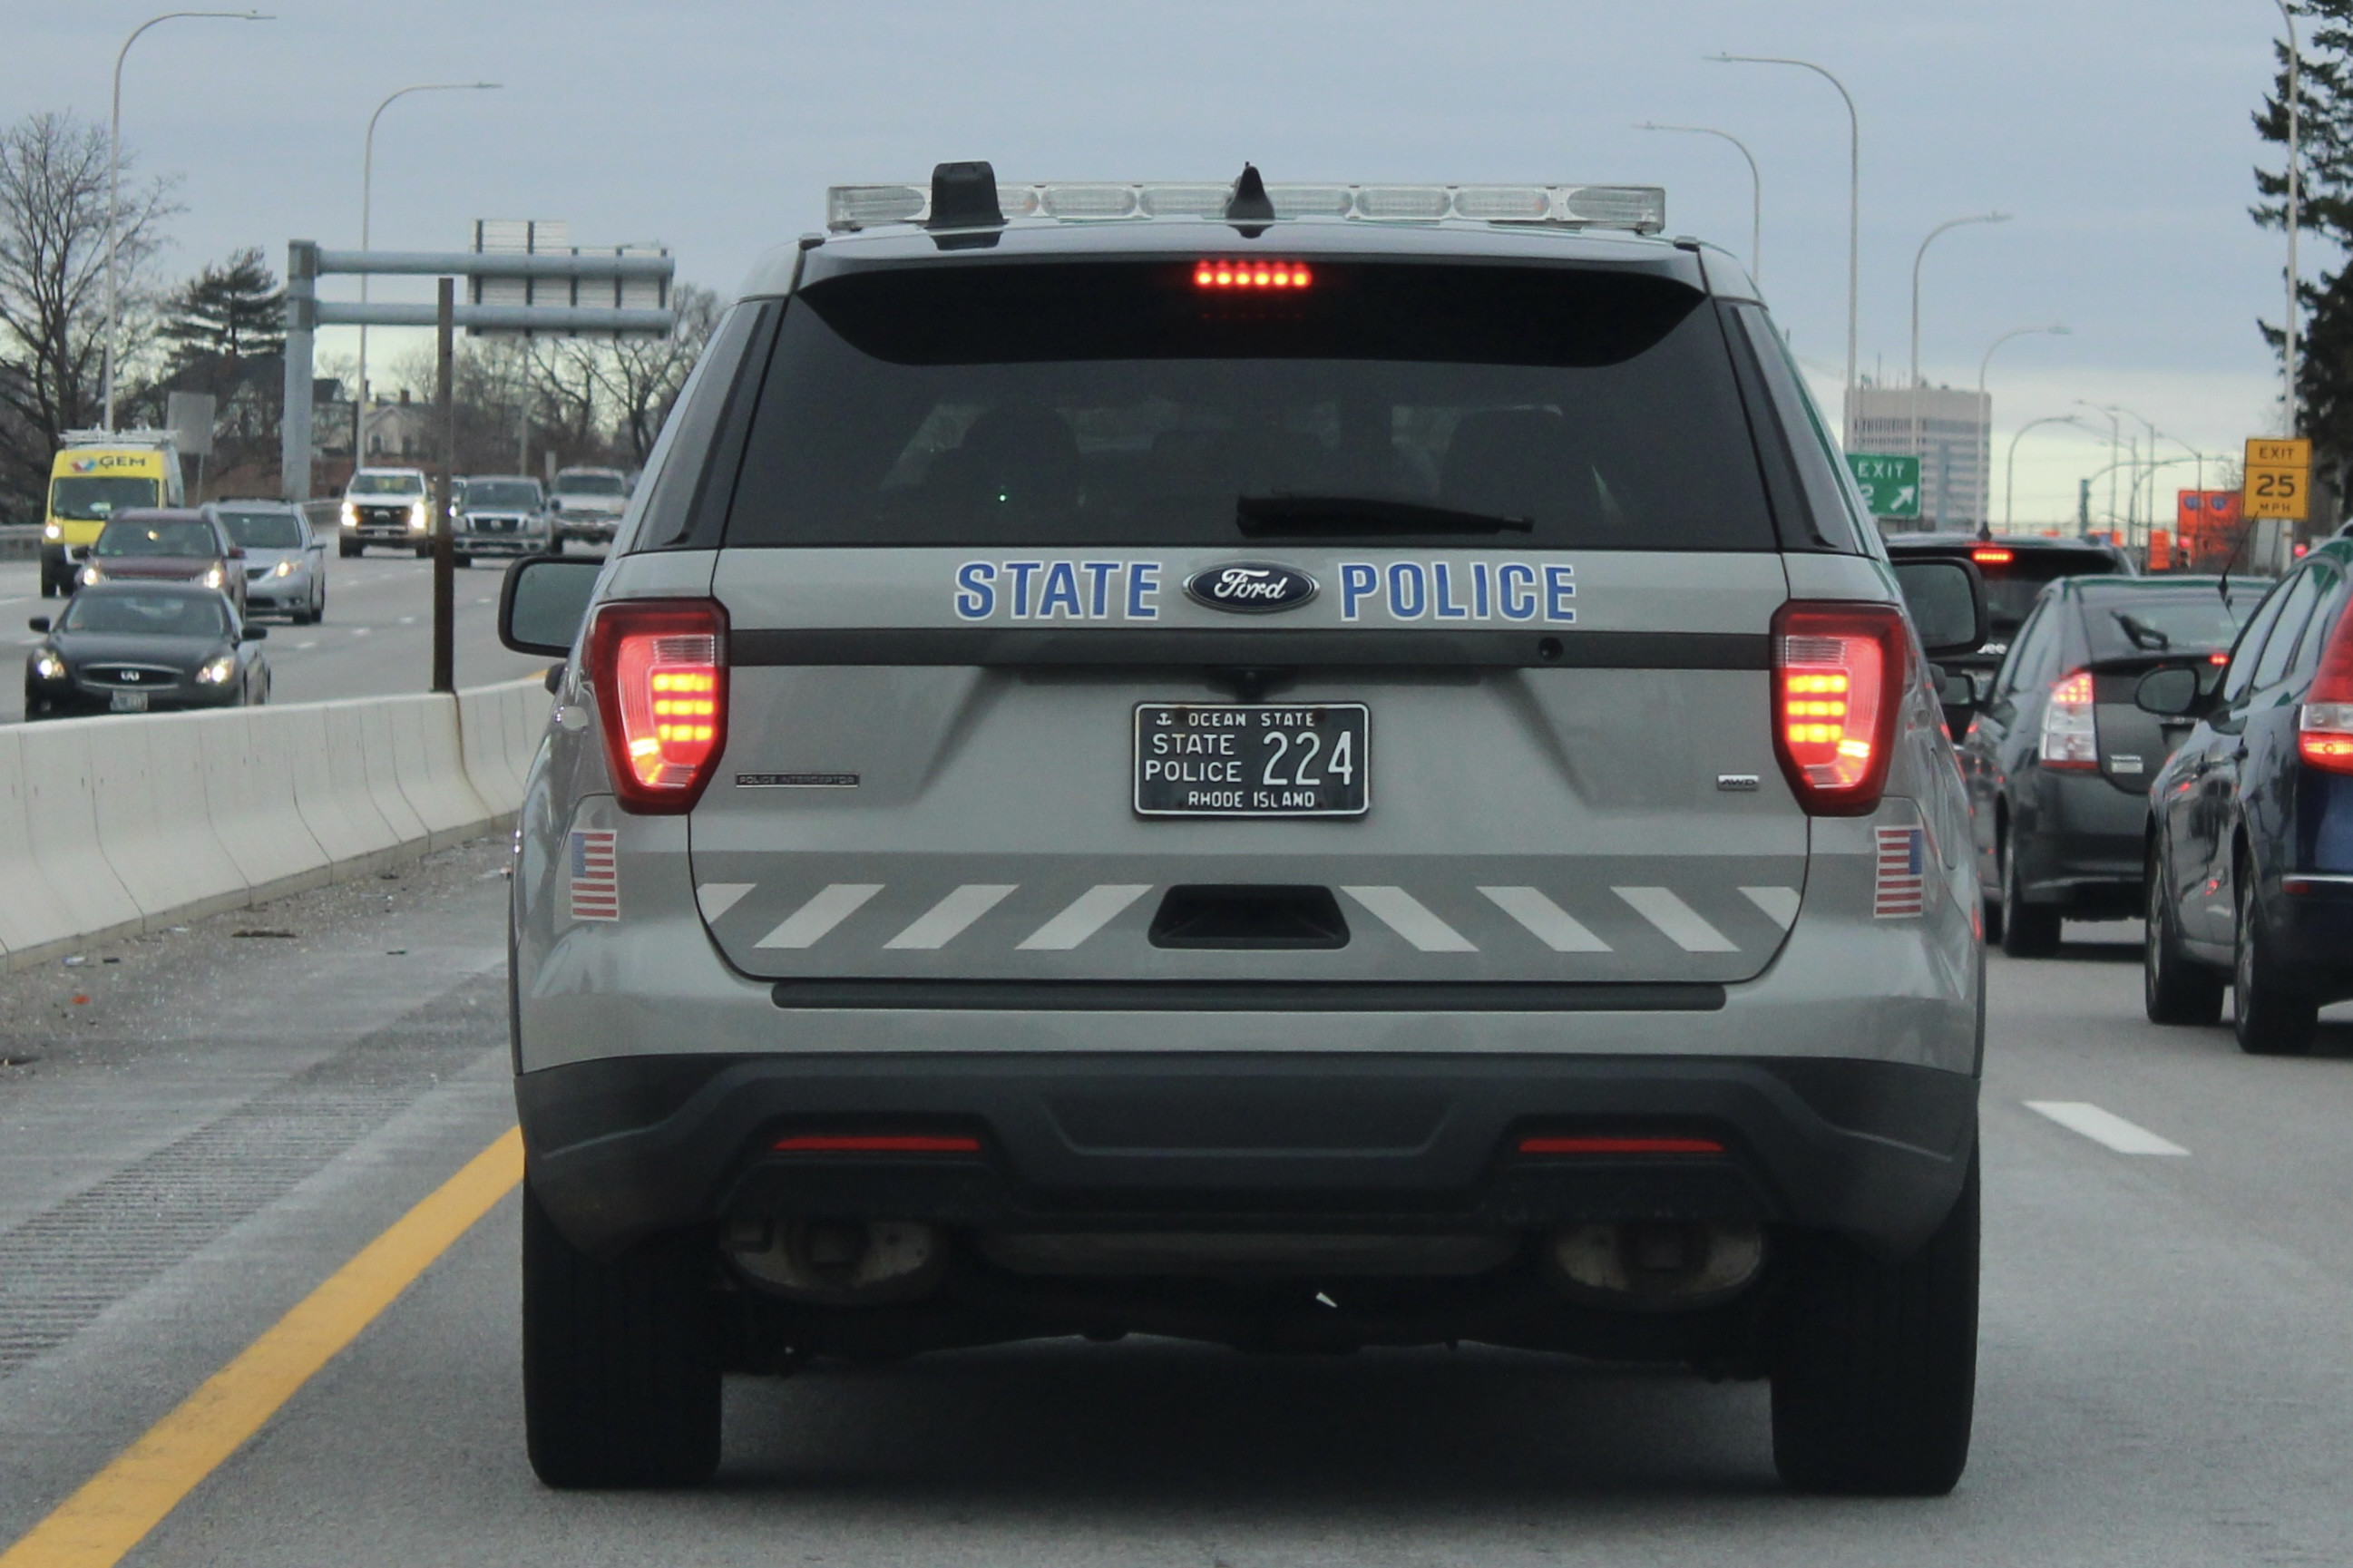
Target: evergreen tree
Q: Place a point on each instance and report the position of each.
(234, 310)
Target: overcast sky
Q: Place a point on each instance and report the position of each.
(2115, 130)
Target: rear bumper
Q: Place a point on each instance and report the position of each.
(589, 527)
(500, 544)
(2082, 846)
(622, 1148)
(2313, 929)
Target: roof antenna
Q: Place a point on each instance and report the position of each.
(963, 196)
(1250, 203)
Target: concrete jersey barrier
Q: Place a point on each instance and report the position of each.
(129, 823)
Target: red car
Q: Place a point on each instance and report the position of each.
(167, 545)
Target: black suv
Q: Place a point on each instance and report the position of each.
(2249, 830)
(2013, 570)
(2059, 759)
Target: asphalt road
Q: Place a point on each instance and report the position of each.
(377, 640)
(2166, 1372)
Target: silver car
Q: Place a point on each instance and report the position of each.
(587, 504)
(1263, 772)
(497, 515)
(285, 560)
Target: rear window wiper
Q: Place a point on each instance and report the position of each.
(2143, 636)
(1360, 516)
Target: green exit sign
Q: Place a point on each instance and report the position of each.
(1889, 483)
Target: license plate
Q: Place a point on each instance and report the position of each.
(1225, 759)
(127, 703)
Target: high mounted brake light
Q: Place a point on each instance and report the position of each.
(1231, 273)
(1839, 676)
(2071, 736)
(1990, 557)
(659, 670)
(2324, 728)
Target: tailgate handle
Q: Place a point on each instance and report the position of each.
(1248, 916)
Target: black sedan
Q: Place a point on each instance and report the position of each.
(136, 648)
(2059, 759)
(2249, 827)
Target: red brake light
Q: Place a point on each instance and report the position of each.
(660, 669)
(1839, 673)
(2219, 658)
(878, 1144)
(1251, 275)
(1621, 1146)
(2325, 728)
(1990, 557)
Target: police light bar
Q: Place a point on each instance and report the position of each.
(1639, 208)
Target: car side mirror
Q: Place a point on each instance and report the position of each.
(1954, 687)
(252, 633)
(2170, 693)
(1947, 602)
(236, 553)
(544, 602)
(39, 623)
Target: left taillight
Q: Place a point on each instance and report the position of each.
(1838, 674)
(660, 670)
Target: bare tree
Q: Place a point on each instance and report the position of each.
(52, 283)
(640, 378)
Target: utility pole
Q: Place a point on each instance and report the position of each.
(445, 675)
(2295, 194)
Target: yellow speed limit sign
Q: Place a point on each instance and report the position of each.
(2279, 478)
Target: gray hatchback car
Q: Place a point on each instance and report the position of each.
(1307, 767)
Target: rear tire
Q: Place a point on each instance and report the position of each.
(2275, 1019)
(1875, 1382)
(2028, 931)
(621, 1375)
(2174, 989)
(347, 548)
(424, 553)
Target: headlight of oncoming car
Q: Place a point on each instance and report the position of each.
(52, 531)
(284, 568)
(213, 577)
(47, 666)
(350, 515)
(216, 670)
(92, 575)
(419, 514)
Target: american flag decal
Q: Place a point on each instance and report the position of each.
(1898, 889)
(595, 880)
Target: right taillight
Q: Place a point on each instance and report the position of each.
(1839, 674)
(660, 670)
(2070, 737)
(2324, 730)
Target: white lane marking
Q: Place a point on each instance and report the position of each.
(1547, 921)
(1681, 923)
(718, 898)
(2104, 1127)
(301, 645)
(806, 926)
(1089, 913)
(409, 620)
(361, 631)
(1410, 919)
(1779, 904)
(945, 921)
(486, 601)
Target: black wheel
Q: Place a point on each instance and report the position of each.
(2028, 931)
(1875, 1380)
(2174, 989)
(2275, 1019)
(461, 559)
(424, 553)
(347, 548)
(620, 1372)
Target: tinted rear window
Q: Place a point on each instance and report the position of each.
(2011, 585)
(1120, 403)
(2192, 621)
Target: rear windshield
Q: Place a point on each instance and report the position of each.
(499, 494)
(177, 537)
(264, 530)
(2197, 620)
(386, 485)
(159, 614)
(2013, 585)
(1120, 403)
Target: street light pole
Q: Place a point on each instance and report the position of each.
(1853, 192)
(106, 354)
(2115, 436)
(1755, 191)
(1918, 447)
(2295, 195)
(2010, 484)
(1983, 364)
(367, 211)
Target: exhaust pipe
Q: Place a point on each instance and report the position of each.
(1654, 1266)
(838, 1262)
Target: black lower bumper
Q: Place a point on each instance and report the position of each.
(621, 1149)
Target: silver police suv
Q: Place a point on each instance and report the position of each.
(1300, 767)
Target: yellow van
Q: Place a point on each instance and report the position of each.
(96, 474)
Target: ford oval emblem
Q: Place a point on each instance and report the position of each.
(1250, 587)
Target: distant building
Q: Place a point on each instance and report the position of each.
(398, 433)
(1950, 431)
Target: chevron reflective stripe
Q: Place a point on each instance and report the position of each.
(1547, 921)
(1779, 904)
(945, 921)
(1680, 922)
(715, 898)
(1088, 913)
(1410, 919)
(832, 905)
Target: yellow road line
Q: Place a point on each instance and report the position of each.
(113, 1511)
